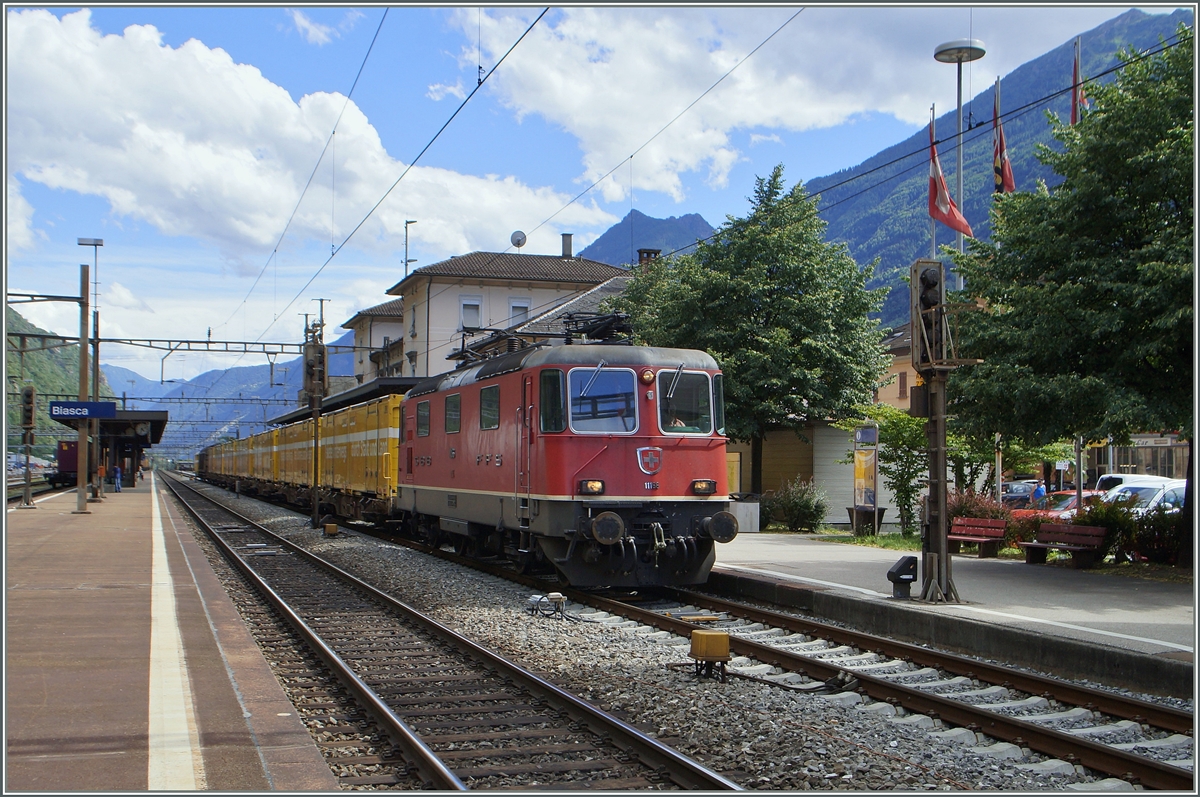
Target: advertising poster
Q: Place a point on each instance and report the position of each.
(864, 479)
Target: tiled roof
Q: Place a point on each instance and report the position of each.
(393, 308)
(549, 323)
(505, 265)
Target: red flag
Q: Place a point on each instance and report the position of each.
(941, 206)
(1005, 184)
(1078, 98)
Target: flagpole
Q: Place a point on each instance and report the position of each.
(932, 223)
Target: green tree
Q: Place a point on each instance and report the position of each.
(903, 456)
(783, 311)
(1088, 322)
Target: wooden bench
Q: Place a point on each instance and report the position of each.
(1082, 542)
(987, 533)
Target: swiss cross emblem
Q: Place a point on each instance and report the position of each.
(649, 460)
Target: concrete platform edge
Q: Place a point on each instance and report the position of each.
(1063, 657)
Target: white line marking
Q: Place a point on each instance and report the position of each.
(43, 498)
(791, 577)
(174, 749)
(1020, 617)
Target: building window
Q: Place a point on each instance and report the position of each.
(412, 329)
(470, 312)
(489, 407)
(518, 311)
(423, 419)
(903, 384)
(453, 413)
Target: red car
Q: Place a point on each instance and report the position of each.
(1055, 506)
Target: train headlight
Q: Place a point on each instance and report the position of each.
(647, 376)
(704, 486)
(591, 487)
(722, 527)
(607, 528)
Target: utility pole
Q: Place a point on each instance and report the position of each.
(316, 382)
(81, 449)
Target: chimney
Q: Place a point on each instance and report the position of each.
(646, 255)
(566, 245)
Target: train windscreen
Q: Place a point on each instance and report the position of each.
(684, 402)
(603, 400)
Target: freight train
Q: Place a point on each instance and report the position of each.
(604, 463)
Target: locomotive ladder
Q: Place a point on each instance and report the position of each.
(524, 476)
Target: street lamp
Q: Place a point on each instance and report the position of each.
(95, 243)
(956, 52)
(406, 260)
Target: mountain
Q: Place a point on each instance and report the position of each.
(55, 375)
(885, 215)
(132, 384)
(620, 242)
(228, 402)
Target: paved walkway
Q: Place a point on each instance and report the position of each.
(1127, 612)
(128, 668)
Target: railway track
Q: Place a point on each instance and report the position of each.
(454, 714)
(1135, 740)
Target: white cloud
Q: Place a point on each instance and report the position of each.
(577, 67)
(18, 218)
(438, 91)
(197, 145)
(758, 138)
(117, 295)
(313, 32)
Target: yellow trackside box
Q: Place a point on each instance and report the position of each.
(710, 645)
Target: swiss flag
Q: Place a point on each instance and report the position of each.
(941, 206)
(1005, 184)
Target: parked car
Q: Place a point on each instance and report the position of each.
(1144, 497)
(1016, 494)
(1056, 506)
(1110, 480)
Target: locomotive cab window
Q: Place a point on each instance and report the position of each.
(453, 413)
(553, 406)
(684, 402)
(489, 407)
(719, 402)
(603, 400)
(423, 419)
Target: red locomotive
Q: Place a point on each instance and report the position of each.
(606, 462)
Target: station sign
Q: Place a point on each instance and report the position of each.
(71, 410)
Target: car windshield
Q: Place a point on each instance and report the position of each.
(603, 400)
(1139, 496)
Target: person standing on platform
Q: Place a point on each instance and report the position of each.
(117, 478)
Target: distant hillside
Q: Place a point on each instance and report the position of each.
(619, 244)
(194, 425)
(55, 375)
(884, 214)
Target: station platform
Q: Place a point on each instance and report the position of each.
(128, 668)
(1120, 629)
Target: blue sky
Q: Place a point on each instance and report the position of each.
(184, 137)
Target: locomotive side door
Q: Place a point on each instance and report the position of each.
(407, 424)
(525, 415)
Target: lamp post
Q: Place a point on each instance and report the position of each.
(406, 260)
(95, 243)
(956, 52)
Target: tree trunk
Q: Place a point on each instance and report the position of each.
(1187, 539)
(756, 462)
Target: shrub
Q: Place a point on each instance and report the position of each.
(1021, 530)
(968, 503)
(1118, 521)
(800, 505)
(1157, 536)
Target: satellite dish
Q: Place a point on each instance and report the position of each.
(518, 239)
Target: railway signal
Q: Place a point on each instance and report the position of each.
(28, 411)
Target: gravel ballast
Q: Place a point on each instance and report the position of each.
(760, 736)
